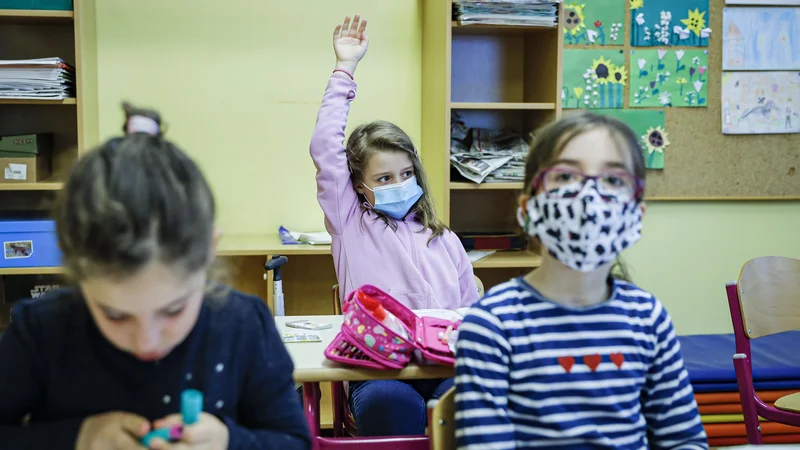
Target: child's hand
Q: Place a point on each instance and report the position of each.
(112, 431)
(209, 433)
(350, 43)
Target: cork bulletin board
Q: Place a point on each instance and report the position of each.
(701, 163)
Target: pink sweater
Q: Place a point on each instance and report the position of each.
(366, 251)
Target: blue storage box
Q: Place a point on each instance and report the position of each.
(56, 5)
(29, 243)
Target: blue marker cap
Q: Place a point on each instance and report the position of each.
(191, 405)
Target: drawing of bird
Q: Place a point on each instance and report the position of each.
(763, 111)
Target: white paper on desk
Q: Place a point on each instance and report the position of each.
(439, 314)
(476, 255)
(319, 238)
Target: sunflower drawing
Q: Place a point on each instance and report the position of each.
(602, 69)
(656, 139)
(696, 21)
(619, 74)
(573, 19)
(636, 4)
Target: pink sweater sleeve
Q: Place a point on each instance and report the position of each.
(335, 191)
(469, 290)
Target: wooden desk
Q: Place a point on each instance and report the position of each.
(311, 368)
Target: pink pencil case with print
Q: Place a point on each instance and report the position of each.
(364, 341)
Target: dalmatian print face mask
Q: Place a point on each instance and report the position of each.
(582, 229)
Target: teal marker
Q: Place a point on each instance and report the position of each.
(191, 407)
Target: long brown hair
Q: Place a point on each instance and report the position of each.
(551, 140)
(133, 200)
(381, 136)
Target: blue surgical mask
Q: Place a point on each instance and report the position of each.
(395, 200)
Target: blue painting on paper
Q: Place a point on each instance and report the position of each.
(665, 23)
(761, 39)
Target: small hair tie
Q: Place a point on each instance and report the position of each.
(142, 124)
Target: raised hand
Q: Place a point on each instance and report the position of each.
(350, 43)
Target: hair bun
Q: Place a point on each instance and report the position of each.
(140, 120)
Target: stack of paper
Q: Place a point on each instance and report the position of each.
(535, 13)
(32, 79)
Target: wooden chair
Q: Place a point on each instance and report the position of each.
(442, 421)
(765, 301)
(344, 423)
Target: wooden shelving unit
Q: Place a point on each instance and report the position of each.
(499, 77)
(39, 34)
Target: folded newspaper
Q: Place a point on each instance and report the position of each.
(487, 155)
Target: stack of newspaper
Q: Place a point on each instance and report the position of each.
(482, 155)
(535, 13)
(37, 79)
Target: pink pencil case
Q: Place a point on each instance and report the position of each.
(364, 341)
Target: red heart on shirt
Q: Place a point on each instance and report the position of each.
(592, 361)
(566, 362)
(618, 359)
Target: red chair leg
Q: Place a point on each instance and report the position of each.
(338, 408)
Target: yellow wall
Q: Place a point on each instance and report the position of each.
(240, 82)
(240, 85)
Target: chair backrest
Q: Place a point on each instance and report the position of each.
(337, 304)
(479, 283)
(443, 422)
(769, 295)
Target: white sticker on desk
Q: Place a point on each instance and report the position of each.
(17, 249)
(17, 172)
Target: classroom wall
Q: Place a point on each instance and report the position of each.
(196, 61)
(240, 82)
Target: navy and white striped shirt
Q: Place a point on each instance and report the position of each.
(532, 373)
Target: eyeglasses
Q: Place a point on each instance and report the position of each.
(616, 186)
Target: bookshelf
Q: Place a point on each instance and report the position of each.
(494, 76)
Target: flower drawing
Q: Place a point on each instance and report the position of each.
(681, 81)
(668, 88)
(695, 22)
(661, 54)
(602, 69)
(573, 19)
(636, 4)
(652, 27)
(591, 35)
(619, 74)
(655, 141)
(664, 99)
(641, 62)
(679, 55)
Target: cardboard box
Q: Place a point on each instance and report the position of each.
(25, 158)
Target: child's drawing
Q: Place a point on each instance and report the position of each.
(761, 39)
(594, 22)
(664, 23)
(594, 79)
(760, 102)
(649, 126)
(665, 77)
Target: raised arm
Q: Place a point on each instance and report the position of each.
(335, 192)
(668, 401)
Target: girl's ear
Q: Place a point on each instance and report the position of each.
(644, 208)
(359, 188)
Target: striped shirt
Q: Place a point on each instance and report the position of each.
(532, 373)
